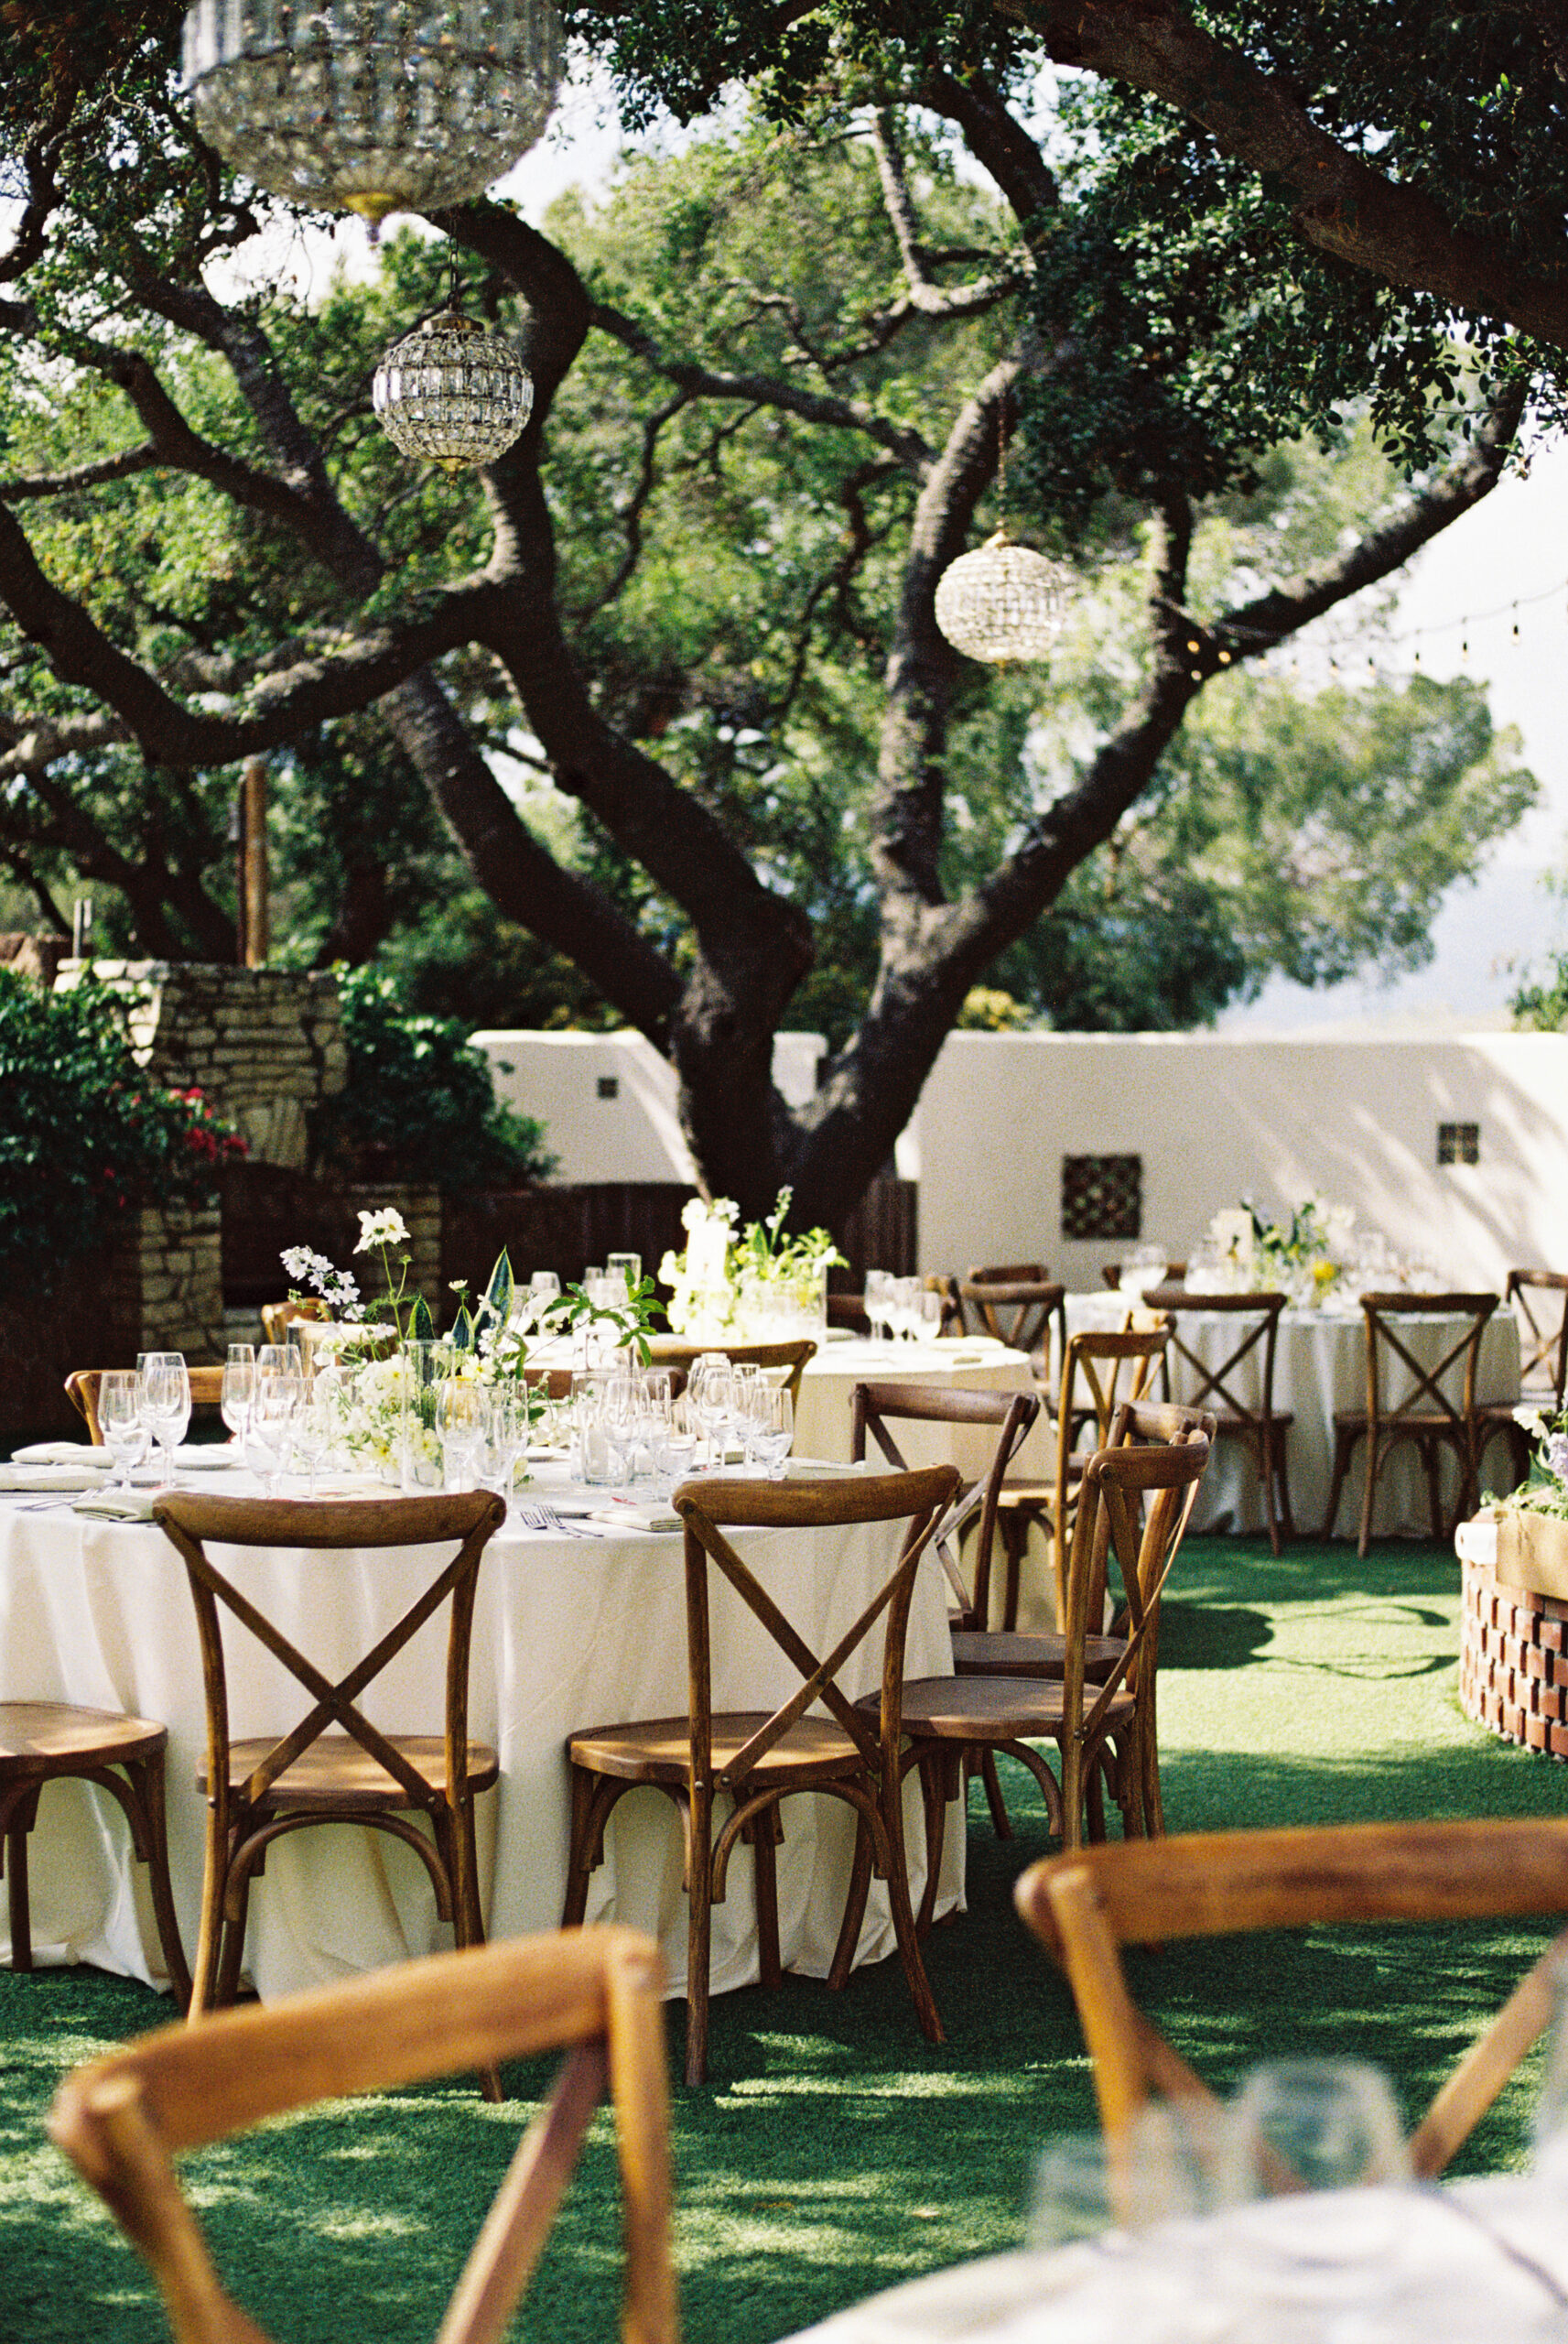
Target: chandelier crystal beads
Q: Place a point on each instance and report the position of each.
(372, 106)
(452, 391)
(1004, 603)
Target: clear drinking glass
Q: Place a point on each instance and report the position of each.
(269, 1436)
(878, 1283)
(926, 1318)
(708, 1397)
(461, 1423)
(772, 1427)
(506, 1427)
(166, 1406)
(1330, 2123)
(545, 1285)
(239, 1391)
(625, 1265)
(120, 1422)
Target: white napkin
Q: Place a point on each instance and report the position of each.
(63, 1452)
(118, 1505)
(628, 1514)
(15, 1479)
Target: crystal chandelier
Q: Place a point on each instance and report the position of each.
(452, 391)
(1003, 603)
(372, 106)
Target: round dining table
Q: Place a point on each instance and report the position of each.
(973, 1364)
(1320, 1365)
(569, 1630)
(1469, 2264)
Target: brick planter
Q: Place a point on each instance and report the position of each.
(1513, 1654)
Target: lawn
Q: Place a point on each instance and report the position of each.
(832, 2153)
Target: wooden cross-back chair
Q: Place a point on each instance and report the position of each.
(1012, 1414)
(760, 1756)
(82, 1387)
(1429, 1416)
(1087, 1905)
(276, 1317)
(792, 1357)
(1218, 1383)
(1100, 1369)
(1020, 1313)
(124, 2119)
(1134, 1509)
(1111, 1272)
(261, 1789)
(1538, 1299)
(555, 1382)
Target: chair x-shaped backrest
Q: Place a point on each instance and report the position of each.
(1212, 1383)
(1017, 1312)
(1426, 1395)
(1544, 1332)
(193, 1521)
(708, 1506)
(1015, 1411)
(1111, 1521)
(1099, 1358)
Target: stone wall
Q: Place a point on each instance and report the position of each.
(265, 1044)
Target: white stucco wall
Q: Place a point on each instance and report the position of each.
(1215, 1117)
(635, 1136)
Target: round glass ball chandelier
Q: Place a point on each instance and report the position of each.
(1004, 603)
(452, 391)
(372, 106)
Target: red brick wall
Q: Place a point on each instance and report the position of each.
(1513, 1661)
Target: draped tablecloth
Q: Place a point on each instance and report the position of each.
(1467, 2264)
(568, 1633)
(1320, 1365)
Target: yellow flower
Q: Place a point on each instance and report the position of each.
(1325, 1272)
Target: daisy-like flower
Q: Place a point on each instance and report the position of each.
(385, 1228)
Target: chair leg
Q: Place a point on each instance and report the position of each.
(147, 1776)
(699, 1938)
(933, 1805)
(1001, 1821)
(770, 1967)
(1345, 1441)
(1281, 1467)
(1376, 1460)
(209, 1934)
(904, 1923)
(236, 1913)
(17, 1885)
(1430, 1460)
(1266, 1476)
(580, 1863)
(854, 1908)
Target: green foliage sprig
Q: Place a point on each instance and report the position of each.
(419, 1093)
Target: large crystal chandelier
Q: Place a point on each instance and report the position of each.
(1003, 603)
(452, 391)
(372, 106)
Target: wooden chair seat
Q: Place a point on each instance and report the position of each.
(976, 1654)
(660, 1750)
(53, 1741)
(1004, 1708)
(337, 1775)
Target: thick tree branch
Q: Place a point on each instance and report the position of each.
(998, 140)
(108, 467)
(1340, 203)
(925, 295)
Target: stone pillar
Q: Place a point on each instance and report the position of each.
(170, 1259)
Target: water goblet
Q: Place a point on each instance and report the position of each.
(462, 1408)
(708, 1395)
(771, 1429)
(121, 1423)
(166, 1406)
(628, 1267)
(238, 1391)
(269, 1436)
(878, 1284)
(545, 1285)
(507, 1420)
(926, 1319)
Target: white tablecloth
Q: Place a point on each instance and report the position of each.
(976, 1365)
(568, 1632)
(1320, 1365)
(1471, 2264)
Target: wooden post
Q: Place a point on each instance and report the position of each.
(254, 939)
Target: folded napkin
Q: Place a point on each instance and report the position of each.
(118, 1505)
(63, 1452)
(16, 1479)
(627, 1513)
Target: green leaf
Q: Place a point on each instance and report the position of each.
(421, 1326)
(498, 1293)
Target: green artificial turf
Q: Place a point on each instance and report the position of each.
(832, 2153)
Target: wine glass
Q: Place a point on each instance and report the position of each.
(926, 1319)
(166, 1406)
(708, 1396)
(771, 1426)
(461, 1423)
(269, 1436)
(506, 1424)
(239, 1390)
(120, 1421)
(312, 1428)
(1320, 2123)
(876, 1284)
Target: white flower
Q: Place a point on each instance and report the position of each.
(1532, 1420)
(384, 1228)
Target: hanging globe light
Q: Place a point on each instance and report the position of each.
(452, 391)
(372, 106)
(1003, 603)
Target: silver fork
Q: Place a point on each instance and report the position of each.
(545, 1517)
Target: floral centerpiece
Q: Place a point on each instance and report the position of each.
(755, 1287)
(1247, 1252)
(389, 1361)
(1532, 1521)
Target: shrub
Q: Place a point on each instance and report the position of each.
(420, 1101)
(85, 1138)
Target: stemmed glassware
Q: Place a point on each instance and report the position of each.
(769, 1426)
(709, 1394)
(878, 1301)
(120, 1422)
(239, 1389)
(461, 1425)
(269, 1436)
(506, 1427)
(166, 1405)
